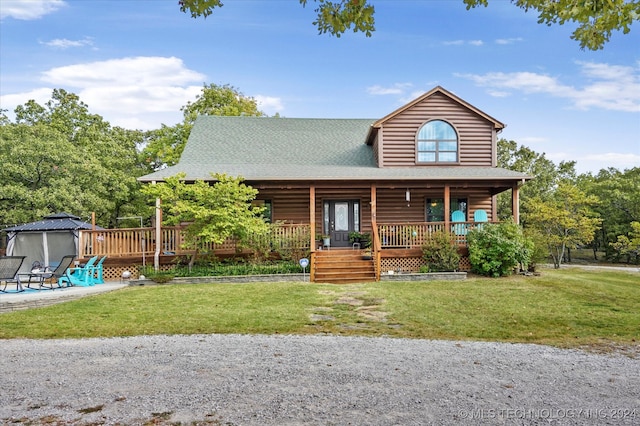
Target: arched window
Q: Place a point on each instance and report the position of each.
(437, 143)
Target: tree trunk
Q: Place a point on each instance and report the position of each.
(192, 259)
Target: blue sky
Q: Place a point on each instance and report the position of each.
(137, 62)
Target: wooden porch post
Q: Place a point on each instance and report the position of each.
(156, 254)
(447, 207)
(94, 247)
(375, 242)
(374, 219)
(312, 216)
(515, 203)
(312, 230)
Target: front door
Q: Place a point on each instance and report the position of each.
(340, 218)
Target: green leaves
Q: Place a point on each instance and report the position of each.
(565, 220)
(165, 145)
(59, 157)
(497, 249)
(199, 7)
(545, 172)
(595, 19)
(214, 212)
(337, 17)
(440, 252)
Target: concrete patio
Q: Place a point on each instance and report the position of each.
(32, 298)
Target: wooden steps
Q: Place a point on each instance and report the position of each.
(343, 266)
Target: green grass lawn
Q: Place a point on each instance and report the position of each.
(566, 308)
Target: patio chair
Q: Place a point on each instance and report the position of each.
(81, 276)
(98, 277)
(480, 216)
(61, 272)
(9, 267)
(458, 228)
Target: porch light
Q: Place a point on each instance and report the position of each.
(407, 196)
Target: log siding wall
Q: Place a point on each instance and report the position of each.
(292, 205)
(398, 136)
(393, 207)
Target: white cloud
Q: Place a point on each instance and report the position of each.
(498, 93)
(63, 43)
(41, 96)
(29, 9)
(610, 87)
(395, 89)
(139, 92)
(269, 104)
(139, 71)
(463, 42)
(509, 40)
(532, 140)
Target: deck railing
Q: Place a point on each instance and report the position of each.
(132, 242)
(414, 235)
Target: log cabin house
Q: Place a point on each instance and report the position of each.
(398, 178)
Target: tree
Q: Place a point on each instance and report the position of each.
(595, 19)
(59, 157)
(619, 207)
(165, 145)
(213, 212)
(565, 220)
(545, 172)
(629, 246)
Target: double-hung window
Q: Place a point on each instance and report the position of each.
(437, 143)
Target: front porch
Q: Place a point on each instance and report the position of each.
(398, 217)
(395, 247)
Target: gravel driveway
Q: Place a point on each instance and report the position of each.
(315, 380)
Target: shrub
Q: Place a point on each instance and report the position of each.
(496, 249)
(540, 252)
(441, 253)
(227, 268)
(160, 277)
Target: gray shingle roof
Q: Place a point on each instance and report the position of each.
(272, 149)
(55, 222)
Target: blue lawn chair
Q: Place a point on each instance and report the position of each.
(98, 277)
(461, 228)
(480, 216)
(81, 276)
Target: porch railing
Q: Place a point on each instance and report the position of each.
(415, 234)
(132, 242)
(142, 241)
